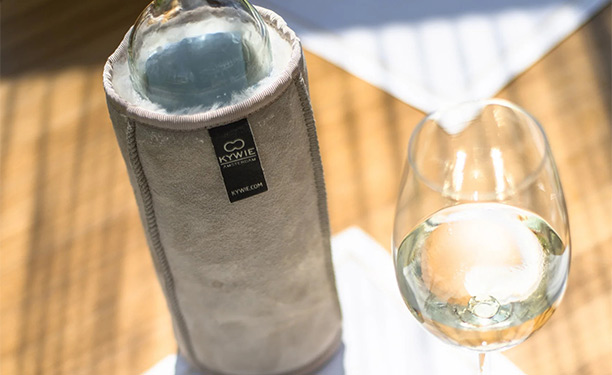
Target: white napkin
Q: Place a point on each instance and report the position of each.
(429, 53)
(380, 335)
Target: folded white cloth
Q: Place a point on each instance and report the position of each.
(380, 336)
(429, 53)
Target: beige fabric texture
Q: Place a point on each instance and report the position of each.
(249, 284)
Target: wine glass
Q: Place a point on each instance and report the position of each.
(481, 240)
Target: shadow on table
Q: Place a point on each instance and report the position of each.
(50, 35)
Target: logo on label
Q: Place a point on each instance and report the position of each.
(238, 160)
(236, 144)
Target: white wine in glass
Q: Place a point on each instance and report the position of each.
(481, 237)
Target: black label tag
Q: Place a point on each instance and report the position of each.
(238, 160)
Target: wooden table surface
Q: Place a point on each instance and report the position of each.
(78, 290)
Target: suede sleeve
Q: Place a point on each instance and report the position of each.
(249, 284)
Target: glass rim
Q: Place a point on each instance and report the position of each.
(483, 103)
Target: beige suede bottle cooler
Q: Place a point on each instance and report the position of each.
(234, 209)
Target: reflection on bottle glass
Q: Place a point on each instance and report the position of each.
(197, 70)
(190, 56)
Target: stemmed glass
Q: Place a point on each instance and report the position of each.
(481, 239)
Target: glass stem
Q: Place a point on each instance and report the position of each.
(484, 364)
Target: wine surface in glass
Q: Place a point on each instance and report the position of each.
(484, 276)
